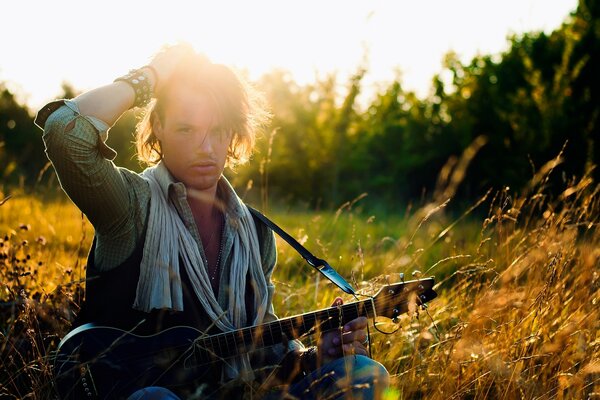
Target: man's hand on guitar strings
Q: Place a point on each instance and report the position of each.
(350, 340)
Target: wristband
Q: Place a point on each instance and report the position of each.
(140, 83)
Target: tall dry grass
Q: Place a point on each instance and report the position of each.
(517, 315)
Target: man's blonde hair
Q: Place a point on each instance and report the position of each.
(240, 106)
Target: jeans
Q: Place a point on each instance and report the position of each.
(351, 377)
(153, 393)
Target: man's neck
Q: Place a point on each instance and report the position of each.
(203, 203)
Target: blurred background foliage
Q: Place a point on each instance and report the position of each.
(513, 111)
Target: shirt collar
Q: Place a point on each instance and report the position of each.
(225, 192)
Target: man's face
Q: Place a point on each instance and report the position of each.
(193, 144)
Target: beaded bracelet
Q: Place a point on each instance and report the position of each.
(139, 81)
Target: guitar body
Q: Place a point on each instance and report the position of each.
(98, 362)
(101, 362)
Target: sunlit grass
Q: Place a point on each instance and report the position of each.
(50, 238)
(517, 314)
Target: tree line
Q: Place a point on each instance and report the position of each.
(506, 114)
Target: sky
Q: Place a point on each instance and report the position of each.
(89, 43)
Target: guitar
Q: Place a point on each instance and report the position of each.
(101, 362)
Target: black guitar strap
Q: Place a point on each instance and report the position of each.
(320, 265)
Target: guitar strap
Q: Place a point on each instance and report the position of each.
(320, 265)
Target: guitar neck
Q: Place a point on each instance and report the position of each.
(240, 341)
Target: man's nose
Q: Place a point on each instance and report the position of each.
(204, 141)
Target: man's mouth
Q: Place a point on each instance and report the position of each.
(204, 166)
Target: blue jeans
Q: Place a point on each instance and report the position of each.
(153, 393)
(352, 377)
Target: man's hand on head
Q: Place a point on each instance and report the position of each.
(167, 60)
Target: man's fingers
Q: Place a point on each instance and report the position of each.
(348, 349)
(337, 302)
(352, 338)
(353, 330)
(349, 337)
(356, 324)
(355, 348)
(335, 351)
(355, 336)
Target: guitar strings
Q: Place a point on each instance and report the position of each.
(369, 347)
(247, 335)
(225, 342)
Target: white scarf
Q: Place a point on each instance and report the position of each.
(168, 241)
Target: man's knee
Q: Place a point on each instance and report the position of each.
(368, 371)
(153, 393)
(358, 377)
(352, 377)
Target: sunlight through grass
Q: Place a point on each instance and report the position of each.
(517, 314)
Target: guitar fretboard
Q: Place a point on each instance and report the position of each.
(229, 344)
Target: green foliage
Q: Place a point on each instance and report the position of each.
(121, 137)
(525, 104)
(517, 109)
(21, 149)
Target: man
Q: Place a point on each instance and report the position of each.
(175, 245)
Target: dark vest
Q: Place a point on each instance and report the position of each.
(110, 296)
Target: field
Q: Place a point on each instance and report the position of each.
(518, 277)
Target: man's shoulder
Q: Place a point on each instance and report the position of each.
(264, 232)
(137, 183)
